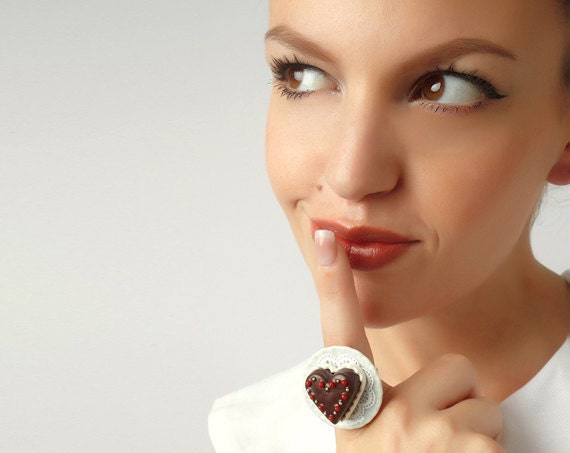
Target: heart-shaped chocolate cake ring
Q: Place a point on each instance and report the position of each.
(335, 393)
(342, 387)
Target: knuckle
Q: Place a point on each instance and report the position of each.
(397, 414)
(458, 361)
(443, 426)
(459, 365)
(479, 443)
(394, 422)
(438, 429)
(496, 412)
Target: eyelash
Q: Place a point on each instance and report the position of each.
(281, 66)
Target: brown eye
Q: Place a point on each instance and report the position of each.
(433, 87)
(452, 89)
(294, 78)
(306, 79)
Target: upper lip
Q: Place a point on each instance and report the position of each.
(360, 234)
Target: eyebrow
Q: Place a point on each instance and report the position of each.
(296, 41)
(448, 50)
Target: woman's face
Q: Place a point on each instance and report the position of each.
(421, 132)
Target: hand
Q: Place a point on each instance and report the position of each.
(439, 409)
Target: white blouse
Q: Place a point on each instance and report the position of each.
(272, 416)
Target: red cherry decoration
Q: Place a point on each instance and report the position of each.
(335, 401)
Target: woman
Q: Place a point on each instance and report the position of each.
(409, 143)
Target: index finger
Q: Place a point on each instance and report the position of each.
(341, 317)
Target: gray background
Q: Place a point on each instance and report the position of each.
(145, 268)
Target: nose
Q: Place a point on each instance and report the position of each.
(363, 159)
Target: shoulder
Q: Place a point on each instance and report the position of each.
(269, 416)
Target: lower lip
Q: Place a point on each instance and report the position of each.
(373, 255)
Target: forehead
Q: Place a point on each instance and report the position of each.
(354, 27)
(365, 11)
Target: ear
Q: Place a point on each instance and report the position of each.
(560, 174)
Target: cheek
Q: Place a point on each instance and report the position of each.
(291, 171)
(278, 160)
(293, 156)
(484, 194)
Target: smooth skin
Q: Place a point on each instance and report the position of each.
(467, 316)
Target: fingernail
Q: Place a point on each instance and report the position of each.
(326, 247)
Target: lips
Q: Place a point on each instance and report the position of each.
(367, 248)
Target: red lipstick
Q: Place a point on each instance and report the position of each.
(367, 248)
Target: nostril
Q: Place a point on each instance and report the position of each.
(364, 180)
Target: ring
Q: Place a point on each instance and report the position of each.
(343, 387)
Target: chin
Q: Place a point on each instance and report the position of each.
(381, 313)
(383, 307)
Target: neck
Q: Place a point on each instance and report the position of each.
(508, 330)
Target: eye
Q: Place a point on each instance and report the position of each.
(453, 88)
(295, 79)
(307, 79)
(447, 89)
